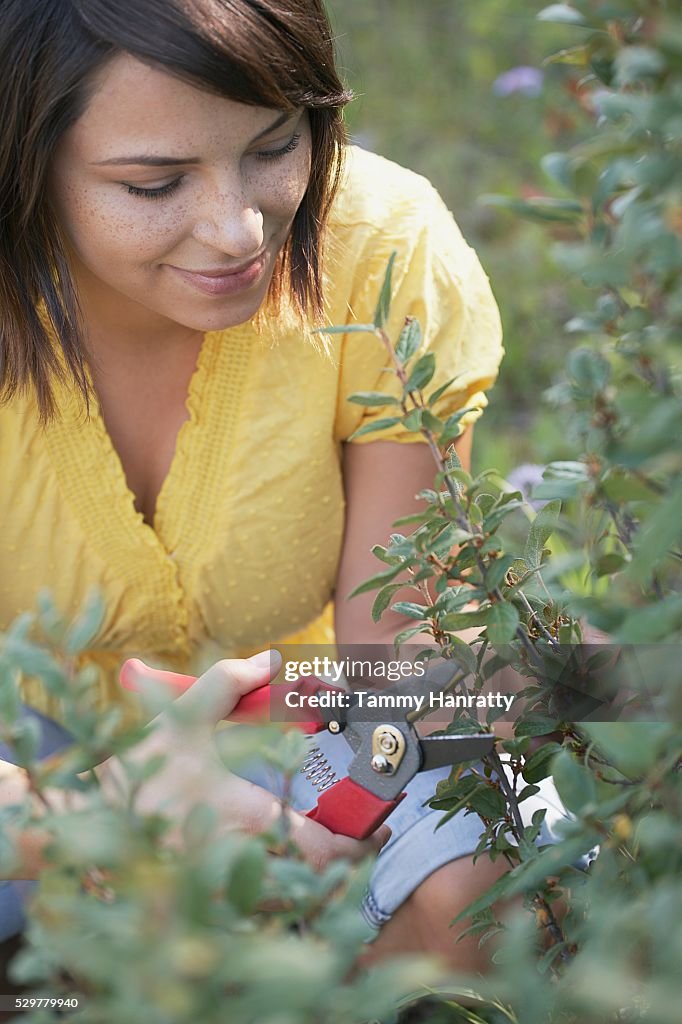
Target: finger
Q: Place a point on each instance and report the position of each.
(218, 690)
(320, 847)
(134, 672)
(379, 838)
(215, 693)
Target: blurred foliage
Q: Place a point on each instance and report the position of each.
(427, 98)
(221, 929)
(603, 944)
(220, 926)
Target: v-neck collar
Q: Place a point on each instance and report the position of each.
(156, 560)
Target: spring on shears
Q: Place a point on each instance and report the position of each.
(316, 768)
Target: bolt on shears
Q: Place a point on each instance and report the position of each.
(388, 751)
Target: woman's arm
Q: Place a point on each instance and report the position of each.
(381, 481)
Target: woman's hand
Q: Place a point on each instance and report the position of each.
(193, 772)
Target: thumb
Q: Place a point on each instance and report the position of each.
(211, 696)
(215, 693)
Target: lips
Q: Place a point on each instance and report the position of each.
(219, 281)
(226, 271)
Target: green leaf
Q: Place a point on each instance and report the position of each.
(88, 624)
(575, 783)
(563, 489)
(659, 533)
(559, 167)
(631, 747)
(503, 620)
(34, 661)
(431, 422)
(541, 529)
(427, 516)
(422, 373)
(550, 861)
(576, 55)
(384, 303)
(609, 564)
(380, 552)
(463, 620)
(535, 725)
(346, 329)
(453, 465)
(562, 14)
(439, 392)
(407, 634)
(372, 398)
(411, 610)
(376, 425)
(409, 341)
(488, 801)
(485, 502)
(246, 878)
(649, 623)
(497, 570)
(526, 793)
(453, 598)
(589, 370)
(383, 599)
(538, 766)
(452, 427)
(413, 420)
(542, 208)
(619, 485)
(453, 791)
(496, 515)
(26, 735)
(634, 63)
(378, 581)
(10, 702)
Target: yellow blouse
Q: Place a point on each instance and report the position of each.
(249, 522)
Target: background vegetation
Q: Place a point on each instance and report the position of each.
(428, 98)
(231, 932)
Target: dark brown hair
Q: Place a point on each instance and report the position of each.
(269, 53)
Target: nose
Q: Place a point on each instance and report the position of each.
(230, 221)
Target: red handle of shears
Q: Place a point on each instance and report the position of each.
(253, 707)
(345, 808)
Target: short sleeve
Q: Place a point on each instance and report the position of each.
(439, 280)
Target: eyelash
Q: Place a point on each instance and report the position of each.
(166, 190)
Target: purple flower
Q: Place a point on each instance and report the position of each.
(524, 79)
(525, 478)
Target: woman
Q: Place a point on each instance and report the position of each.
(178, 209)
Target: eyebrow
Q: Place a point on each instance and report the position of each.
(170, 161)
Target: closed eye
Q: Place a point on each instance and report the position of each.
(166, 190)
(153, 193)
(276, 154)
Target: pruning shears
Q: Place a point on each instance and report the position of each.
(388, 752)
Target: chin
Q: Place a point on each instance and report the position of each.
(221, 319)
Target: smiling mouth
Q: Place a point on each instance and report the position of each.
(219, 281)
(224, 271)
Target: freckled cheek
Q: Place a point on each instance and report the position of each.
(282, 201)
(117, 231)
(281, 193)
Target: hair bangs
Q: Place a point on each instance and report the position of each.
(260, 54)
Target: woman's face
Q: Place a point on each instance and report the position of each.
(176, 202)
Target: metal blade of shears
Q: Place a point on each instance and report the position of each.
(438, 751)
